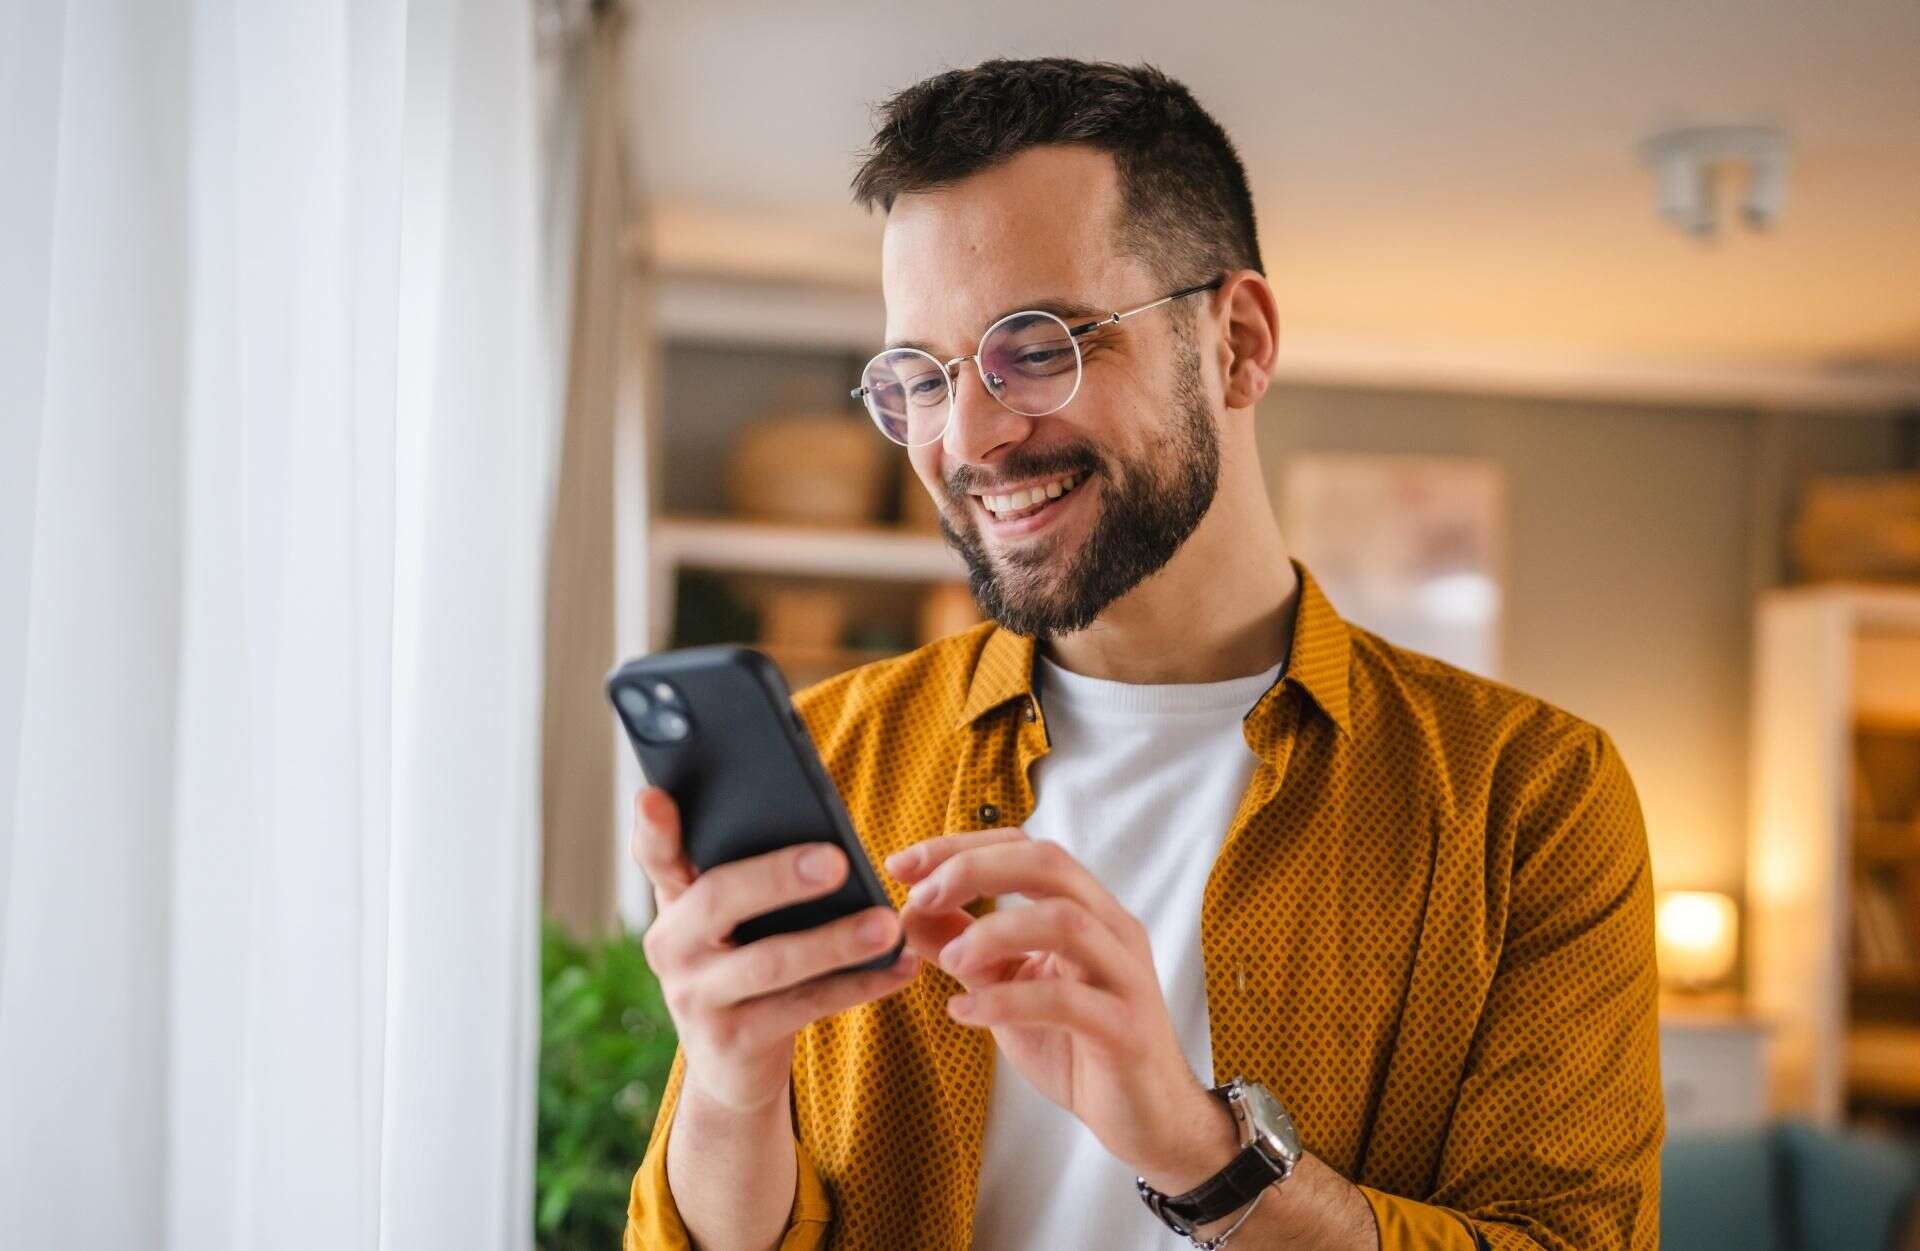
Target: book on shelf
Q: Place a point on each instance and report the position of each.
(1886, 776)
(1886, 922)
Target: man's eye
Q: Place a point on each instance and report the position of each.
(1047, 357)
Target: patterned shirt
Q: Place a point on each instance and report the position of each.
(1429, 932)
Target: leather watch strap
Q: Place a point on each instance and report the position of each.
(1227, 1191)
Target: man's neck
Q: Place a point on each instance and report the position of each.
(1222, 608)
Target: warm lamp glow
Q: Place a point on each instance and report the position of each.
(1698, 932)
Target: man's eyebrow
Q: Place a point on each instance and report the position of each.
(1069, 311)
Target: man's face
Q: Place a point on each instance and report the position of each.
(1125, 472)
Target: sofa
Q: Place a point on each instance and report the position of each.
(1787, 1187)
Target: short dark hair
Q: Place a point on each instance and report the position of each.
(1185, 209)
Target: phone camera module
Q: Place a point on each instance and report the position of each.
(654, 710)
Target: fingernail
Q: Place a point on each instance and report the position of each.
(960, 1006)
(922, 893)
(900, 861)
(816, 864)
(874, 929)
(951, 954)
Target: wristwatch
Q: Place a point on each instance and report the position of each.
(1269, 1149)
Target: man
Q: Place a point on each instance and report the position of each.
(1168, 821)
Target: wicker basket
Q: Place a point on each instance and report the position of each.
(821, 470)
(946, 608)
(1864, 529)
(917, 509)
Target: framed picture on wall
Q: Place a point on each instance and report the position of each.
(1410, 547)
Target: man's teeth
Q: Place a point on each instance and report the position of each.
(1017, 500)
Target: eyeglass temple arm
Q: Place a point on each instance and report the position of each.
(1114, 318)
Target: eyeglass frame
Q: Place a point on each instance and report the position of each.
(1074, 335)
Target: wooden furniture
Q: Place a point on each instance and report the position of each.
(874, 553)
(721, 464)
(1836, 673)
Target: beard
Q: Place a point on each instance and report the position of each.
(1149, 506)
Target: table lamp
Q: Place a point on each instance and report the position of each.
(1697, 934)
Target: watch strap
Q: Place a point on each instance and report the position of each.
(1226, 1192)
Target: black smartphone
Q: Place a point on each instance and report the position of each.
(715, 728)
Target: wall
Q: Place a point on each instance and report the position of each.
(1631, 568)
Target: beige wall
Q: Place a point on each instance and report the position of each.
(1632, 561)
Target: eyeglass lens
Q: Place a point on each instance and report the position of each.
(1029, 361)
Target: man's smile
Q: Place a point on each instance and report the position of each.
(1024, 500)
(1028, 507)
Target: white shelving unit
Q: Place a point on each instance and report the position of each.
(1826, 660)
(764, 314)
(719, 543)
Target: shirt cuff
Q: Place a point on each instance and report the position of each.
(1407, 1225)
(653, 1220)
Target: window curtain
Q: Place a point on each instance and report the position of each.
(582, 806)
(277, 445)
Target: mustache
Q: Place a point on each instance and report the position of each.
(1021, 466)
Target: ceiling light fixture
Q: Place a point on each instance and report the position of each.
(1689, 163)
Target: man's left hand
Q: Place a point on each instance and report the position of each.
(1067, 985)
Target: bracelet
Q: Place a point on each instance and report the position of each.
(1220, 1239)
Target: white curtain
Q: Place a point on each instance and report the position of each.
(276, 442)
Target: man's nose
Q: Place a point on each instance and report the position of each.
(980, 427)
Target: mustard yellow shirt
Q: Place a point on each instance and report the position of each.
(1429, 931)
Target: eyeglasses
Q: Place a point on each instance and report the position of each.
(1029, 362)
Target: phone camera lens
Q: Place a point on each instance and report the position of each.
(633, 702)
(664, 693)
(667, 726)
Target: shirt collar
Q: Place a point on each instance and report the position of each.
(1318, 663)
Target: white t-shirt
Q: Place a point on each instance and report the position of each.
(1140, 784)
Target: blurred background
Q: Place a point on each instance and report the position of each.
(1600, 375)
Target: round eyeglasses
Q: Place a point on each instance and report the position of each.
(1029, 362)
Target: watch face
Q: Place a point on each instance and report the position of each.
(1273, 1130)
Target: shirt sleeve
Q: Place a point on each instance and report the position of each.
(1404, 1224)
(1554, 1142)
(653, 1222)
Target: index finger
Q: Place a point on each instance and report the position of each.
(910, 864)
(1026, 867)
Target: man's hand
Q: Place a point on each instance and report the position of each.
(1067, 986)
(737, 1008)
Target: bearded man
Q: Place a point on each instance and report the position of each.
(1224, 916)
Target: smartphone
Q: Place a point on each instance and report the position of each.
(715, 728)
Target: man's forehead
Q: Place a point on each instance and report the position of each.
(1035, 229)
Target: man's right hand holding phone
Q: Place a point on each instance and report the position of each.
(737, 1009)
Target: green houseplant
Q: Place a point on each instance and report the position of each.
(606, 1043)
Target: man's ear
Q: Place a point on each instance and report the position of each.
(1251, 344)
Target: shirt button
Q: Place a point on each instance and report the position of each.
(987, 813)
(1028, 712)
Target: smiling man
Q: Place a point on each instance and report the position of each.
(1225, 917)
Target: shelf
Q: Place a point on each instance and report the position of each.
(1886, 725)
(1887, 981)
(1887, 844)
(1708, 1010)
(1883, 1063)
(878, 552)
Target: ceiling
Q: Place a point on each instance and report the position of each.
(1430, 177)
